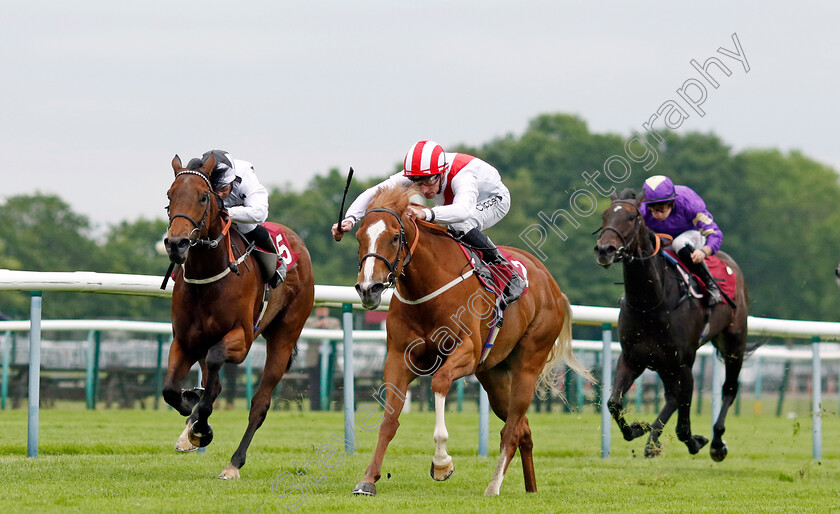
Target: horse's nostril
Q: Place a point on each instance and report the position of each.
(377, 288)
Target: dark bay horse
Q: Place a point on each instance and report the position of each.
(438, 322)
(660, 329)
(214, 310)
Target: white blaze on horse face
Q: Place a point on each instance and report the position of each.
(617, 208)
(373, 233)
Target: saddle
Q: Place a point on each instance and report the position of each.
(723, 275)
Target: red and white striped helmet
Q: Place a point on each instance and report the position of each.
(425, 158)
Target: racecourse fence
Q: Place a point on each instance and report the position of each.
(96, 354)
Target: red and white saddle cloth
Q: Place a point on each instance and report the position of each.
(496, 276)
(284, 251)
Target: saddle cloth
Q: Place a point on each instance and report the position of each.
(494, 277)
(284, 251)
(723, 274)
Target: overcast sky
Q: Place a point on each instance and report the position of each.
(98, 96)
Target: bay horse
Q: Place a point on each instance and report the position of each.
(437, 324)
(661, 329)
(214, 310)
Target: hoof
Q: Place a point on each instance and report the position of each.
(441, 473)
(653, 450)
(364, 489)
(635, 430)
(185, 446)
(718, 454)
(230, 473)
(201, 439)
(696, 443)
(192, 396)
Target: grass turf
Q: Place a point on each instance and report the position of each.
(123, 460)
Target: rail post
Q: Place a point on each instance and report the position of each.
(816, 390)
(758, 386)
(91, 343)
(34, 373)
(159, 370)
(4, 385)
(606, 389)
(349, 389)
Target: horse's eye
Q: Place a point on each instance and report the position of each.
(396, 238)
(204, 199)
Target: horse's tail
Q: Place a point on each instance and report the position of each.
(550, 377)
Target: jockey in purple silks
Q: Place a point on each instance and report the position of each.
(680, 212)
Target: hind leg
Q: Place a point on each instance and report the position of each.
(496, 382)
(733, 360)
(624, 378)
(279, 349)
(525, 365)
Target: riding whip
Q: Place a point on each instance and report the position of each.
(343, 198)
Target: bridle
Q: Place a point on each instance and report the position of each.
(195, 233)
(394, 268)
(623, 252)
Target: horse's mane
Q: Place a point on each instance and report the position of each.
(627, 193)
(395, 198)
(195, 163)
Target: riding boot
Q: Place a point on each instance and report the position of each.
(702, 270)
(262, 239)
(515, 285)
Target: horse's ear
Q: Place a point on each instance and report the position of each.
(209, 164)
(641, 197)
(176, 164)
(613, 196)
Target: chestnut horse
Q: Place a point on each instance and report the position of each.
(660, 328)
(438, 322)
(215, 313)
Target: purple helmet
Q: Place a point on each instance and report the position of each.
(659, 188)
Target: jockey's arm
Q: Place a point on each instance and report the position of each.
(465, 189)
(255, 201)
(357, 209)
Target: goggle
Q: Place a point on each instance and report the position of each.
(660, 208)
(425, 181)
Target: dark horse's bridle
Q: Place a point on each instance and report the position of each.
(622, 252)
(195, 233)
(394, 269)
(198, 226)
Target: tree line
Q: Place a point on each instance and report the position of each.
(778, 213)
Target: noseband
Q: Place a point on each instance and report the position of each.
(195, 233)
(395, 264)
